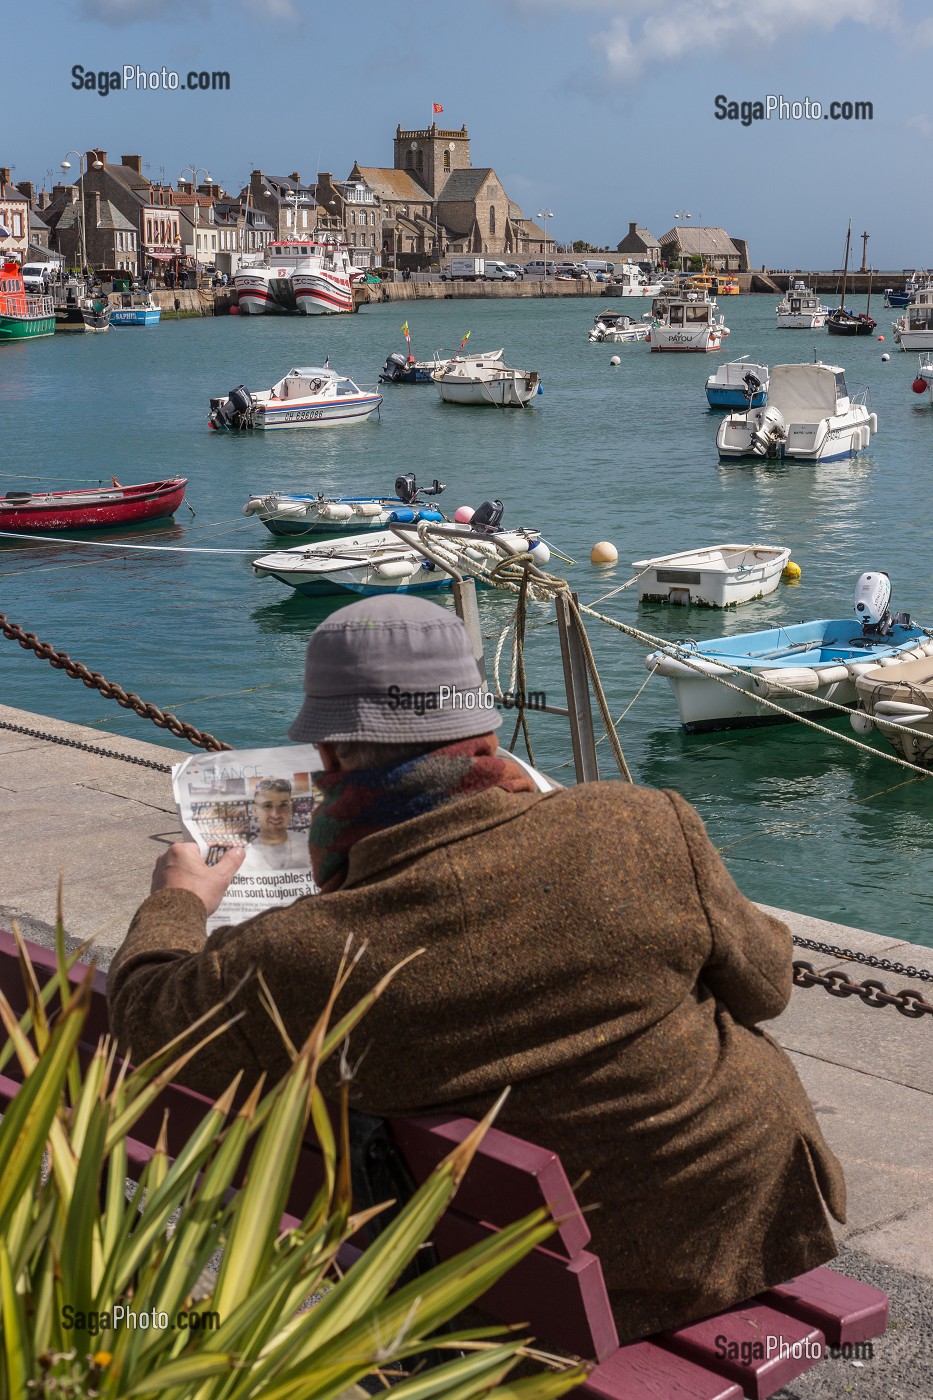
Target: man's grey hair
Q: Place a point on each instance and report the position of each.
(272, 785)
(368, 753)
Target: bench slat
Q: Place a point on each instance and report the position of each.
(43, 960)
(564, 1303)
(507, 1179)
(846, 1309)
(643, 1371)
(754, 1325)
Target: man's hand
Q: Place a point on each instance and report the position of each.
(182, 867)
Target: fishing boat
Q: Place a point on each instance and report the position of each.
(800, 310)
(822, 659)
(385, 563)
(23, 316)
(720, 576)
(306, 397)
(134, 309)
(809, 415)
(485, 383)
(310, 276)
(842, 321)
(738, 384)
(686, 321)
(286, 514)
(91, 508)
(914, 330)
(898, 702)
(95, 314)
(628, 280)
(618, 328)
(912, 285)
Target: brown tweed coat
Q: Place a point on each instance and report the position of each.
(585, 946)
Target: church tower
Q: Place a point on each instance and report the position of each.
(430, 156)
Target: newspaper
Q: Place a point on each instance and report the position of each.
(261, 799)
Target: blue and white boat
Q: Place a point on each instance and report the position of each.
(134, 309)
(738, 384)
(311, 514)
(306, 397)
(823, 659)
(809, 415)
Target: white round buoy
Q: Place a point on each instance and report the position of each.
(885, 357)
(464, 514)
(615, 361)
(603, 553)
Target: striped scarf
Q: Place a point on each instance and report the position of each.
(359, 802)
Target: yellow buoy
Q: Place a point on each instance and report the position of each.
(603, 553)
(790, 570)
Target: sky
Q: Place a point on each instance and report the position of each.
(602, 111)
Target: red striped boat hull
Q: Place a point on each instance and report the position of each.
(92, 508)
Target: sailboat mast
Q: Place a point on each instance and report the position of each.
(845, 267)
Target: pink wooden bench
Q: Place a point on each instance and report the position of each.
(558, 1291)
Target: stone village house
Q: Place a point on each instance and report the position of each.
(14, 218)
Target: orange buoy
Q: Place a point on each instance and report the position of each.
(603, 553)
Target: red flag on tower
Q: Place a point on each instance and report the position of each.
(437, 108)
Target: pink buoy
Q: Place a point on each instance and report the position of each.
(919, 385)
(464, 514)
(881, 337)
(234, 311)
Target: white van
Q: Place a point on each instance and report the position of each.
(596, 265)
(537, 267)
(498, 272)
(37, 276)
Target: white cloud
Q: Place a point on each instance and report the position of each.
(637, 35)
(921, 123)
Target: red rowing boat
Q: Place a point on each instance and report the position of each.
(94, 508)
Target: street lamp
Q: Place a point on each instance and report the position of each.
(82, 171)
(195, 171)
(545, 214)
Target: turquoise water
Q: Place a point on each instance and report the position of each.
(624, 454)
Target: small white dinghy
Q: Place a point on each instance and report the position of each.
(720, 576)
(485, 383)
(899, 695)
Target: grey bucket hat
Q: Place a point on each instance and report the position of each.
(396, 670)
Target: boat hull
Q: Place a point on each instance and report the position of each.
(808, 322)
(92, 510)
(720, 577)
(311, 413)
(822, 659)
(308, 516)
(319, 295)
(140, 317)
(705, 338)
(831, 440)
(734, 398)
(25, 327)
(502, 391)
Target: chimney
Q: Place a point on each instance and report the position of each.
(296, 177)
(28, 190)
(96, 155)
(632, 229)
(45, 199)
(4, 174)
(132, 163)
(93, 213)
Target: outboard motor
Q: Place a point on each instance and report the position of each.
(393, 369)
(487, 516)
(405, 488)
(752, 385)
(434, 489)
(235, 411)
(872, 597)
(770, 433)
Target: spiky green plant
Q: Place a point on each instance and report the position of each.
(75, 1247)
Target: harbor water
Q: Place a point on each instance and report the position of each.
(625, 454)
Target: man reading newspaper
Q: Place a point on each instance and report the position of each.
(585, 946)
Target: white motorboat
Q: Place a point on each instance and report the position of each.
(801, 310)
(385, 563)
(687, 321)
(914, 329)
(288, 514)
(738, 384)
(134, 309)
(405, 369)
(308, 275)
(809, 415)
(486, 382)
(617, 328)
(720, 576)
(923, 383)
(307, 397)
(821, 659)
(628, 280)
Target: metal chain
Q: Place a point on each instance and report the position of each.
(88, 748)
(907, 1002)
(109, 689)
(868, 959)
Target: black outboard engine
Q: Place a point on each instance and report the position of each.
(394, 368)
(406, 489)
(235, 411)
(752, 385)
(487, 516)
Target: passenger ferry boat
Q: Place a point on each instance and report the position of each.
(687, 321)
(914, 330)
(306, 275)
(801, 310)
(22, 315)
